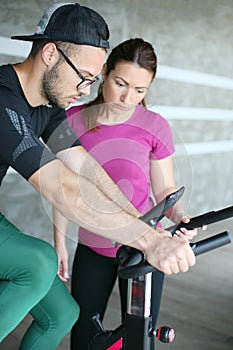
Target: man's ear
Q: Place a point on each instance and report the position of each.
(49, 54)
(104, 71)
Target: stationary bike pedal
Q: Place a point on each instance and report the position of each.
(165, 334)
(97, 323)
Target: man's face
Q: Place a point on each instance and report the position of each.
(59, 84)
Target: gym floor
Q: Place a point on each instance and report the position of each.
(197, 304)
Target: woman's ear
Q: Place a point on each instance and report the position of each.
(104, 71)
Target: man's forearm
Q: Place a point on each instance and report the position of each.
(80, 201)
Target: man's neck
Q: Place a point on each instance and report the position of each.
(30, 77)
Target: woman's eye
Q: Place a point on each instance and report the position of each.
(119, 83)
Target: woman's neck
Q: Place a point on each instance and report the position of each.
(112, 115)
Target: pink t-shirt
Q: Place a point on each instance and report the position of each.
(124, 150)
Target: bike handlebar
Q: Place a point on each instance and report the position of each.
(158, 212)
(204, 219)
(208, 244)
(132, 261)
(200, 247)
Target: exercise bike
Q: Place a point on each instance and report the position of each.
(137, 330)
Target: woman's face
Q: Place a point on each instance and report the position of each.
(126, 85)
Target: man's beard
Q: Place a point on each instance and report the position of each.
(49, 84)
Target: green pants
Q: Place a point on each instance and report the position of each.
(29, 284)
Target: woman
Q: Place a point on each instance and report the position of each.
(134, 146)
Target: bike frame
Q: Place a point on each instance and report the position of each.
(138, 317)
(137, 331)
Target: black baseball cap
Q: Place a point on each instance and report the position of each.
(72, 23)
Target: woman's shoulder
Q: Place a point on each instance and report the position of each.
(149, 116)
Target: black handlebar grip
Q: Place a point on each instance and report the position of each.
(204, 219)
(211, 243)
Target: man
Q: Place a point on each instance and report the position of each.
(69, 49)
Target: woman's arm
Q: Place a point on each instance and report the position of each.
(60, 226)
(163, 183)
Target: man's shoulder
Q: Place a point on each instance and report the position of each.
(9, 83)
(6, 75)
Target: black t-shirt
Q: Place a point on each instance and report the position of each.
(30, 137)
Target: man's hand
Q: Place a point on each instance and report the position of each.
(166, 253)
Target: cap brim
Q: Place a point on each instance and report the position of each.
(29, 37)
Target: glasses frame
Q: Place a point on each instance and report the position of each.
(83, 79)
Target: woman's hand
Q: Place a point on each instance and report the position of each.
(63, 266)
(183, 232)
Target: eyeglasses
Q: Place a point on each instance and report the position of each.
(84, 81)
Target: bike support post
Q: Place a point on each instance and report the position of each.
(138, 322)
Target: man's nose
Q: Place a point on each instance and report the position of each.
(85, 91)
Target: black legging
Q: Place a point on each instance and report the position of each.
(93, 278)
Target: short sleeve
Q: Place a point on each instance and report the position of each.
(163, 145)
(20, 146)
(58, 134)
